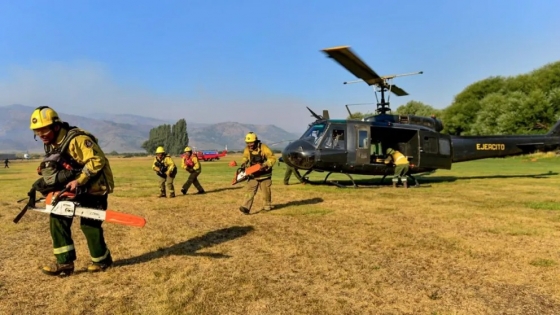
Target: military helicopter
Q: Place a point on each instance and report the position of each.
(350, 146)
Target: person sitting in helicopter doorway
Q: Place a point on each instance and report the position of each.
(191, 164)
(165, 168)
(257, 152)
(401, 166)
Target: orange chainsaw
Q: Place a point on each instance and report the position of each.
(69, 208)
(242, 174)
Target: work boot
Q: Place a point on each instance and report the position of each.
(395, 184)
(161, 194)
(172, 195)
(183, 191)
(405, 184)
(244, 210)
(201, 192)
(100, 266)
(61, 270)
(286, 183)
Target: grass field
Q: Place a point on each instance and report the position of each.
(483, 238)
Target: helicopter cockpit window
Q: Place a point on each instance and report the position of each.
(336, 140)
(314, 133)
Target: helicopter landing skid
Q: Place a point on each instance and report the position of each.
(304, 179)
(325, 181)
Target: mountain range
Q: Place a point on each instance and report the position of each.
(125, 133)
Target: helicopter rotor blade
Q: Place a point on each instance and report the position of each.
(398, 91)
(313, 113)
(349, 60)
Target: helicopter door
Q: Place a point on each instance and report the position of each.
(434, 150)
(363, 145)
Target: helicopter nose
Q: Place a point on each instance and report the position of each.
(299, 154)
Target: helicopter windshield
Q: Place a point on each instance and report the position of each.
(314, 133)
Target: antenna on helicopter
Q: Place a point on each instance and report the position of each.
(349, 60)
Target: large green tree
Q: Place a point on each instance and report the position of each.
(359, 115)
(173, 138)
(417, 108)
(526, 103)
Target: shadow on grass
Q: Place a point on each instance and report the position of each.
(442, 179)
(223, 189)
(190, 247)
(426, 178)
(303, 202)
(192, 190)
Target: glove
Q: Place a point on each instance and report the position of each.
(156, 169)
(264, 166)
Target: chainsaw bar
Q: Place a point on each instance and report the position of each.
(70, 209)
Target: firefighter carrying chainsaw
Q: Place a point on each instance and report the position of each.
(191, 164)
(257, 153)
(75, 163)
(166, 170)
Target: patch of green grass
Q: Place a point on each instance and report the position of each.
(515, 230)
(303, 210)
(542, 262)
(544, 205)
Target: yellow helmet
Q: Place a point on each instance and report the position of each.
(251, 137)
(43, 116)
(160, 150)
(188, 149)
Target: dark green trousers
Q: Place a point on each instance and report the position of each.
(193, 180)
(61, 233)
(400, 172)
(288, 174)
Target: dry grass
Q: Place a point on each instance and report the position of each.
(480, 239)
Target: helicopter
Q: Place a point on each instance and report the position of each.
(352, 146)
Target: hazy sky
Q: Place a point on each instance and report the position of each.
(259, 61)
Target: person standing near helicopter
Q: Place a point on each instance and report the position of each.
(257, 152)
(401, 166)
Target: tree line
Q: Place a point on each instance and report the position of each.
(523, 104)
(173, 139)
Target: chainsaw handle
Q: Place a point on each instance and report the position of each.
(30, 203)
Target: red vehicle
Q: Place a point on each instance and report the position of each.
(209, 155)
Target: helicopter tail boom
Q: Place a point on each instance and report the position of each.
(476, 148)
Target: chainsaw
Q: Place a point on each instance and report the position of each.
(69, 208)
(242, 174)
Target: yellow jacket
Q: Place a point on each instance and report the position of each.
(166, 165)
(397, 158)
(264, 155)
(191, 164)
(96, 172)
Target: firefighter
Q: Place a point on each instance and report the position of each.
(165, 168)
(191, 164)
(257, 152)
(401, 166)
(288, 174)
(75, 161)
